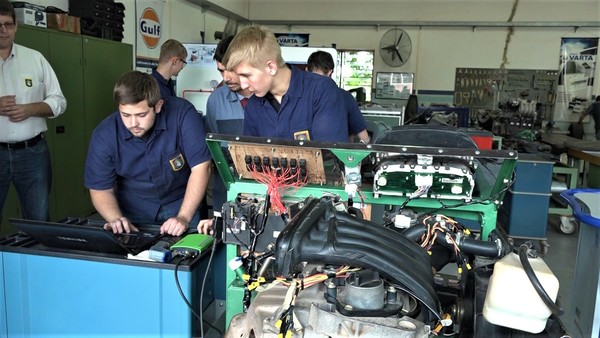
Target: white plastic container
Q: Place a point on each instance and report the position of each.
(512, 301)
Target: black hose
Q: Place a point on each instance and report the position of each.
(536, 282)
(466, 245)
(413, 233)
(480, 248)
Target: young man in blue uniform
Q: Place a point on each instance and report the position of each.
(170, 62)
(288, 103)
(148, 162)
(321, 63)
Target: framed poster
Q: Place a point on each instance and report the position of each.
(576, 70)
(394, 85)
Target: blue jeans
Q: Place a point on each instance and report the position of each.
(30, 171)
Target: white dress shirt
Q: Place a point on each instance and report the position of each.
(27, 74)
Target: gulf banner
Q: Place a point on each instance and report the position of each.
(150, 32)
(576, 72)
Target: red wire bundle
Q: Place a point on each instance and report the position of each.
(276, 180)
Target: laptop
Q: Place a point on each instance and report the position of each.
(87, 235)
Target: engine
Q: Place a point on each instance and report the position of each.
(371, 241)
(328, 273)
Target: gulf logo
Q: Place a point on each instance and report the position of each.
(149, 26)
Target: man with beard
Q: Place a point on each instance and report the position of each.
(148, 163)
(225, 106)
(225, 114)
(29, 94)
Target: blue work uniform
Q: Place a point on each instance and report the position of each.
(356, 121)
(311, 108)
(224, 112)
(224, 115)
(148, 174)
(167, 87)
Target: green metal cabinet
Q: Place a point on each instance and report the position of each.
(87, 69)
(104, 62)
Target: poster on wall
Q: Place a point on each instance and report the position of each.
(200, 55)
(576, 71)
(292, 39)
(149, 33)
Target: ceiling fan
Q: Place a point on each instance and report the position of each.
(395, 47)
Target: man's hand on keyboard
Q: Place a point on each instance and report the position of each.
(174, 226)
(120, 225)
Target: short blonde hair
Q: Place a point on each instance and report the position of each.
(255, 45)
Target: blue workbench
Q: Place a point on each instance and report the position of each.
(47, 292)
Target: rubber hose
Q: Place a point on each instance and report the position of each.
(467, 245)
(536, 282)
(413, 233)
(480, 248)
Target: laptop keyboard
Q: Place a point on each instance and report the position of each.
(137, 239)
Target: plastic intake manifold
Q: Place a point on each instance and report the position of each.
(320, 234)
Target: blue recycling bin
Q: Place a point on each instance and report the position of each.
(584, 312)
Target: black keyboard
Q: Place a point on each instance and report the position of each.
(137, 239)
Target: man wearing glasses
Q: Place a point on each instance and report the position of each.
(170, 62)
(29, 93)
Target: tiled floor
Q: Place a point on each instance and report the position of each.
(561, 260)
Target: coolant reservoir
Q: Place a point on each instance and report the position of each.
(512, 301)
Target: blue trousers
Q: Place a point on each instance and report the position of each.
(30, 171)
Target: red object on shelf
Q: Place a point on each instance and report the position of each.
(482, 138)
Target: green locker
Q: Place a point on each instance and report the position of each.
(87, 69)
(104, 62)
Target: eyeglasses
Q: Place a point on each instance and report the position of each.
(7, 25)
(182, 60)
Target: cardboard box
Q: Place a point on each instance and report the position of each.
(63, 22)
(29, 16)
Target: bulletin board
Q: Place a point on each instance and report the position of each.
(394, 85)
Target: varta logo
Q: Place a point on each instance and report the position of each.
(580, 57)
(286, 40)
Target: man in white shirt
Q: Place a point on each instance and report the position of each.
(29, 93)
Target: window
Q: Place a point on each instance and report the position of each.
(355, 69)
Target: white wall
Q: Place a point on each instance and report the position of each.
(437, 51)
(423, 10)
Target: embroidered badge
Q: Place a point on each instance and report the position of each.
(302, 135)
(29, 82)
(177, 163)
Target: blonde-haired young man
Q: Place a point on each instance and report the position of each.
(288, 103)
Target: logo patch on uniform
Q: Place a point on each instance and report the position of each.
(177, 163)
(29, 82)
(302, 135)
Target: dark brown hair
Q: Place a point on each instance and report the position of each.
(135, 87)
